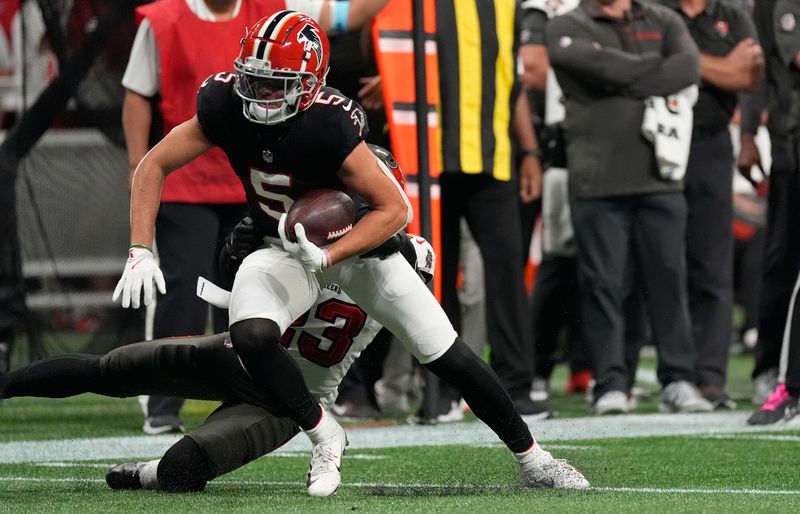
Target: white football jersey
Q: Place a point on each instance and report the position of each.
(326, 341)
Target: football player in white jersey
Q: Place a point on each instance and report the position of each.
(323, 343)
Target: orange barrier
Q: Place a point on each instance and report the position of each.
(394, 51)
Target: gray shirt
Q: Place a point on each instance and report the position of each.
(606, 68)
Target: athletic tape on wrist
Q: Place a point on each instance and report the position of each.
(339, 16)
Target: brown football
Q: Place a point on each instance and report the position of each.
(326, 215)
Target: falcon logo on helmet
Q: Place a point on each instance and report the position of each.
(281, 67)
(310, 39)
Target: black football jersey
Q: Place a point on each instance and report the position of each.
(278, 163)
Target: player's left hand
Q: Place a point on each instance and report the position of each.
(312, 256)
(426, 258)
(140, 272)
(530, 179)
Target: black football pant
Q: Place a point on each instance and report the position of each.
(781, 263)
(491, 209)
(652, 229)
(188, 240)
(790, 350)
(245, 427)
(555, 310)
(709, 252)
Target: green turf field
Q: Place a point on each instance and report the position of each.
(709, 463)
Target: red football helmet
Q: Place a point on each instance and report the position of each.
(281, 67)
(386, 157)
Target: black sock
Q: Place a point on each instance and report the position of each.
(481, 389)
(257, 342)
(54, 377)
(185, 468)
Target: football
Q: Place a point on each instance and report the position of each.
(326, 215)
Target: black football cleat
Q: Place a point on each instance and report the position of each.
(125, 476)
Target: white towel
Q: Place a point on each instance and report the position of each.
(551, 7)
(667, 123)
(558, 234)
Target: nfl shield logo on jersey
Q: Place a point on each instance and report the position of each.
(266, 155)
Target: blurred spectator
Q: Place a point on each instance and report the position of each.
(778, 31)
(609, 56)
(555, 303)
(479, 106)
(730, 62)
(749, 232)
(25, 56)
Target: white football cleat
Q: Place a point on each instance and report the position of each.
(324, 472)
(539, 469)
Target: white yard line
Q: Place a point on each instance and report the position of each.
(469, 434)
(465, 487)
(755, 437)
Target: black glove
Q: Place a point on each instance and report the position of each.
(243, 239)
(388, 247)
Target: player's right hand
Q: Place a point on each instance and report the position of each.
(243, 239)
(310, 255)
(141, 271)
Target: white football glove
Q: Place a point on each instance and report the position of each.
(140, 270)
(426, 257)
(312, 256)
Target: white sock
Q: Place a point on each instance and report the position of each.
(531, 454)
(325, 428)
(148, 474)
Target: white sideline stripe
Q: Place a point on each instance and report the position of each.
(675, 490)
(478, 487)
(557, 430)
(748, 437)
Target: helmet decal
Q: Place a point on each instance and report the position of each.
(268, 33)
(311, 41)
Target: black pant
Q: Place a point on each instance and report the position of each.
(655, 226)
(791, 351)
(491, 209)
(555, 310)
(781, 264)
(709, 253)
(188, 239)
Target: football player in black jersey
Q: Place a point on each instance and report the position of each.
(285, 133)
